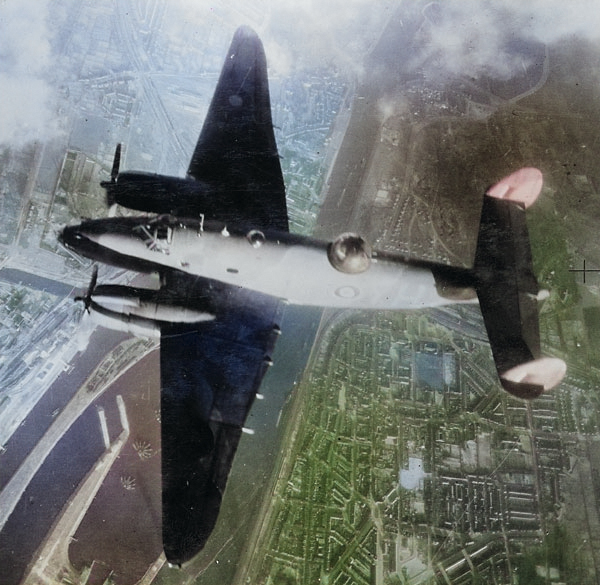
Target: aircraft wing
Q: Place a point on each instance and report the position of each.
(210, 374)
(236, 149)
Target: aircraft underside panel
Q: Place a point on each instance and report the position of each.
(210, 373)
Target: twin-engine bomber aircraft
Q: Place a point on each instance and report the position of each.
(219, 241)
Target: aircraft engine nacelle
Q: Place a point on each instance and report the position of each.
(137, 311)
(151, 193)
(349, 253)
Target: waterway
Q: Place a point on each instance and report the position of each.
(41, 416)
(46, 495)
(15, 276)
(64, 467)
(82, 445)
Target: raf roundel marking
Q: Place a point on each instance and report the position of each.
(347, 292)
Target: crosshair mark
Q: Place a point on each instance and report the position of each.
(584, 270)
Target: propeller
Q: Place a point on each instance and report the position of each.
(114, 174)
(87, 299)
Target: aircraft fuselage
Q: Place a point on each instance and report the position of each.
(293, 268)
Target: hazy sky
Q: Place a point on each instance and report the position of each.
(26, 97)
(469, 36)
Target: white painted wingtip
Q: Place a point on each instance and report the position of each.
(522, 186)
(532, 378)
(543, 294)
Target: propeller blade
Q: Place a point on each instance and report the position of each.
(114, 173)
(93, 282)
(87, 299)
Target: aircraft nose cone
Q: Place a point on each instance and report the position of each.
(70, 237)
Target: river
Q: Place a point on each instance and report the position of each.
(82, 445)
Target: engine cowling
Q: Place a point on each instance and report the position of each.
(349, 253)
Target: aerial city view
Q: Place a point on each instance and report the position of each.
(382, 447)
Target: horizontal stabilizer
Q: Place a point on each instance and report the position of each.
(508, 290)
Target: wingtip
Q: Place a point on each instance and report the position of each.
(522, 186)
(531, 379)
(244, 36)
(245, 31)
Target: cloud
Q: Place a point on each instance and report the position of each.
(476, 37)
(301, 34)
(312, 33)
(551, 20)
(458, 36)
(27, 99)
